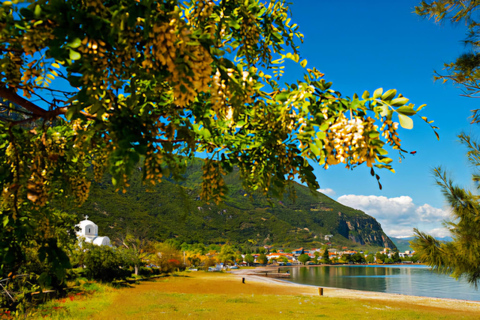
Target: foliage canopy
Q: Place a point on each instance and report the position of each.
(108, 83)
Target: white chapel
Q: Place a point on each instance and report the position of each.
(89, 231)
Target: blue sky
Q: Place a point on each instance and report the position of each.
(365, 45)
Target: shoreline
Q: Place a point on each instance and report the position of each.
(450, 303)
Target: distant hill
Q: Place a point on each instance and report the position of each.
(174, 210)
(403, 244)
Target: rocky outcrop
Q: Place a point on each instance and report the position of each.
(364, 230)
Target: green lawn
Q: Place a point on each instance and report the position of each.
(200, 295)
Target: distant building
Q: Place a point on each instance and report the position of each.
(89, 232)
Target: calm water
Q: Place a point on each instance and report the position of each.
(411, 280)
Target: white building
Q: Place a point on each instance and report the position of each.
(89, 232)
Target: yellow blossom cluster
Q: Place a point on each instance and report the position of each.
(171, 42)
(153, 166)
(36, 37)
(202, 11)
(250, 35)
(10, 69)
(390, 133)
(213, 186)
(220, 92)
(347, 141)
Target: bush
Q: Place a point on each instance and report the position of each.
(105, 263)
(147, 272)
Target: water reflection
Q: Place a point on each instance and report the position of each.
(410, 280)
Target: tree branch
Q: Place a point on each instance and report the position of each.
(11, 95)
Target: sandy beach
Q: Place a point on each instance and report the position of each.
(453, 304)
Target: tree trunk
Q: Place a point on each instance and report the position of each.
(136, 270)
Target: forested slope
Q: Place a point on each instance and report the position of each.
(175, 210)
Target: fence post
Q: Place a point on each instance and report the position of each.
(320, 291)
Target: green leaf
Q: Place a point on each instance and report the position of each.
(405, 121)
(282, 96)
(74, 55)
(365, 95)
(321, 135)
(399, 101)
(382, 152)
(234, 24)
(374, 134)
(385, 110)
(206, 133)
(70, 113)
(378, 93)
(38, 11)
(408, 111)
(75, 44)
(389, 94)
(314, 149)
(421, 107)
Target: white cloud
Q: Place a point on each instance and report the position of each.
(440, 232)
(327, 191)
(428, 213)
(399, 215)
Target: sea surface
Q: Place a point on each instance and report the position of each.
(416, 280)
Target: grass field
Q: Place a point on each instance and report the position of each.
(201, 295)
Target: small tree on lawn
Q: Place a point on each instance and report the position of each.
(249, 259)
(262, 258)
(325, 256)
(304, 258)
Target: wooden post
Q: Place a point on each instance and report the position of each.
(320, 291)
(243, 280)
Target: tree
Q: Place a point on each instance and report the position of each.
(167, 257)
(144, 85)
(370, 258)
(262, 258)
(249, 259)
(380, 257)
(460, 256)
(227, 254)
(140, 247)
(325, 256)
(396, 257)
(239, 258)
(303, 258)
(316, 255)
(358, 258)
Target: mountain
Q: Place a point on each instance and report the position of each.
(174, 210)
(403, 244)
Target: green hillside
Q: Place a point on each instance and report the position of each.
(403, 244)
(174, 210)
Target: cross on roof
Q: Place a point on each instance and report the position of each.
(86, 217)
